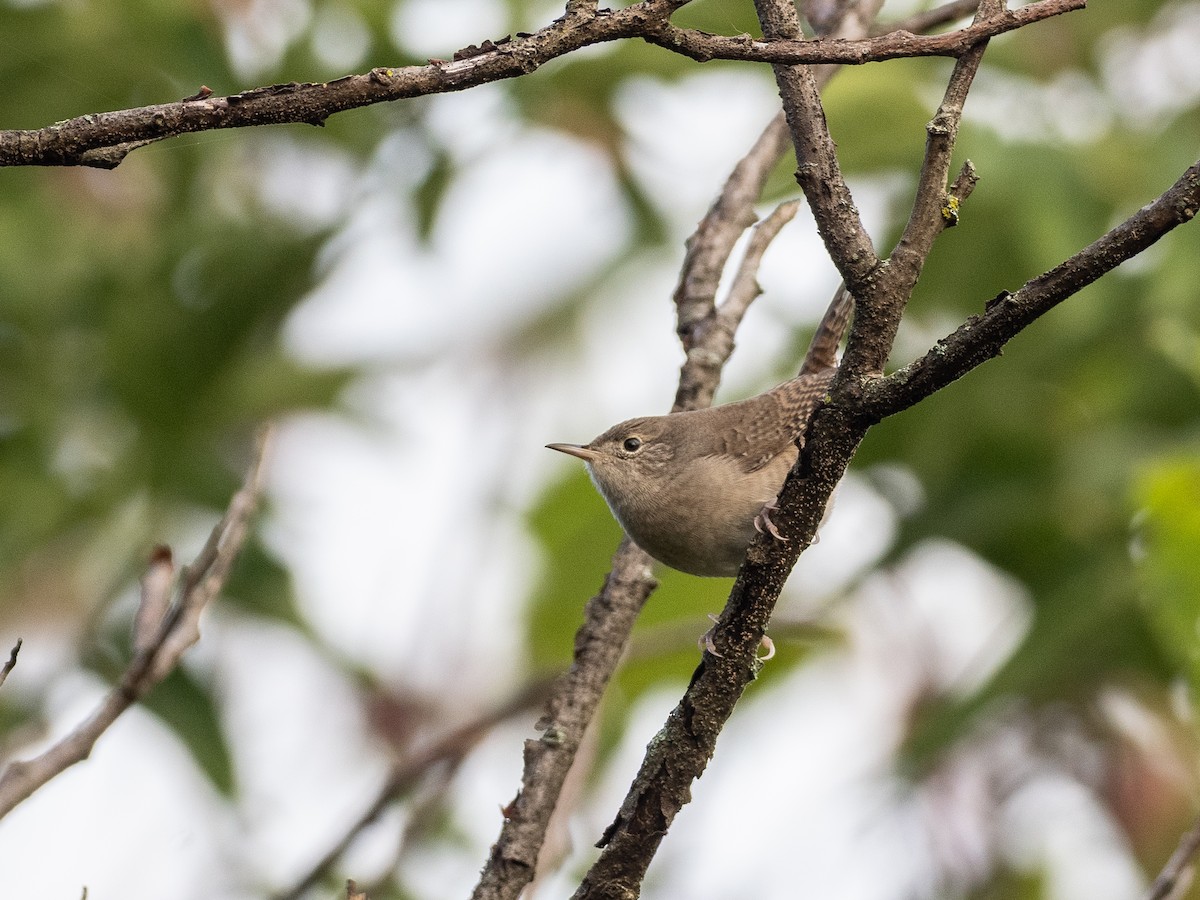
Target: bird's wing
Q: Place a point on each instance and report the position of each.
(757, 430)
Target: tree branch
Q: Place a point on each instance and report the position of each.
(176, 631)
(897, 43)
(876, 322)
(12, 661)
(745, 288)
(939, 15)
(103, 140)
(681, 750)
(708, 250)
(982, 337)
(707, 339)
(818, 171)
(599, 642)
(1176, 875)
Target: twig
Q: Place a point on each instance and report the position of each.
(877, 321)
(407, 773)
(706, 331)
(895, 43)
(1175, 876)
(178, 630)
(932, 18)
(745, 287)
(12, 661)
(818, 171)
(708, 249)
(155, 598)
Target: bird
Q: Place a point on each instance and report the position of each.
(691, 488)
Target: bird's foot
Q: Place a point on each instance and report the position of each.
(763, 523)
(705, 642)
(769, 646)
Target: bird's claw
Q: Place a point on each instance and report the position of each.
(768, 645)
(705, 641)
(763, 523)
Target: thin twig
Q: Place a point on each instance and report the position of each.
(745, 287)
(818, 170)
(155, 598)
(12, 661)
(407, 773)
(878, 320)
(929, 19)
(1172, 881)
(178, 630)
(709, 247)
(706, 331)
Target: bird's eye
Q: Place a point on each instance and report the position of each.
(632, 445)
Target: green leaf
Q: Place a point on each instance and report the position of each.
(1168, 495)
(187, 708)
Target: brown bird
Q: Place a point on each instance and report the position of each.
(691, 488)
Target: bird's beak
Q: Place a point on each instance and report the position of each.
(574, 450)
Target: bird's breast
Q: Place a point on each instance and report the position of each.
(701, 519)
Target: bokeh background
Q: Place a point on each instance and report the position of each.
(986, 668)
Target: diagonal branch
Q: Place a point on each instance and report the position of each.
(408, 772)
(599, 643)
(939, 15)
(158, 656)
(982, 337)
(1176, 875)
(104, 139)
(877, 322)
(818, 171)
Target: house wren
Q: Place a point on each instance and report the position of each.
(690, 488)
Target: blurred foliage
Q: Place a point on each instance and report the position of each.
(1169, 495)
(140, 315)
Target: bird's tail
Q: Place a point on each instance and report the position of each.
(822, 352)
